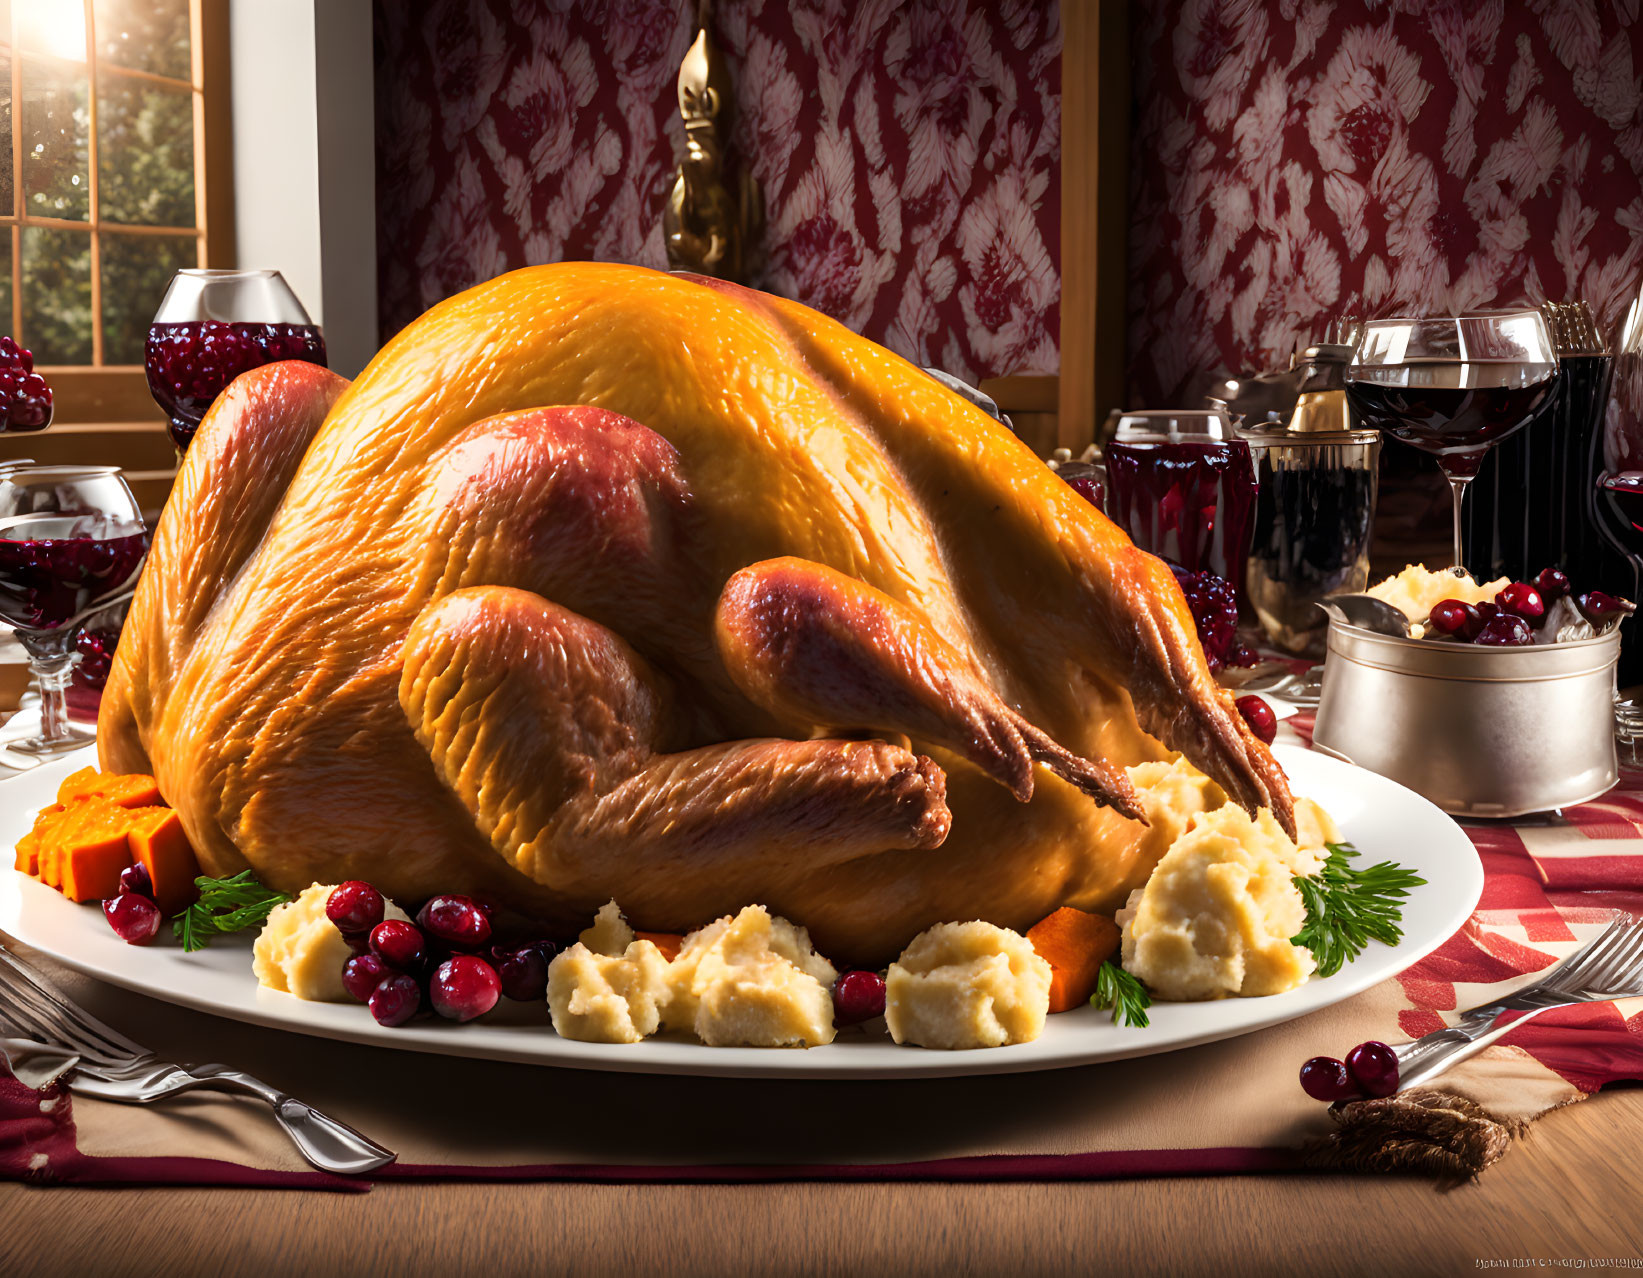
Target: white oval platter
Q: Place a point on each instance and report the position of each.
(1384, 820)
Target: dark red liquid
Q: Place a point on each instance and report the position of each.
(189, 364)
(46, 581)
(1624, 494)
(1188, 501)
(1456, 422)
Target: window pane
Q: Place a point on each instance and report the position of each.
(145, 152)
(56, 128)
(57, 27)
(57, 295)
(7, 192)
(136, 270)
(151, 35)
(5, 276)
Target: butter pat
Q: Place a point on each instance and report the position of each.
(752, 981)
(960, 985)
(300, 951)
(608, 987)
(1216, 916)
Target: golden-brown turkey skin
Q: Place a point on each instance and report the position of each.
(275, 724)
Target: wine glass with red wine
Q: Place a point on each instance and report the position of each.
(1454, 386)
(211, 327)
(72, 543)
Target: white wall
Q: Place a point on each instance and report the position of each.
(305, 160)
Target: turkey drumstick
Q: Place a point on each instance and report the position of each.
(801, 639)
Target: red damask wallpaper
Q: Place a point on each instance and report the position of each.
(1293, 160)
(908, 151)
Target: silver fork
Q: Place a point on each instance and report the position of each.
(114, 1068)
(1609, 966)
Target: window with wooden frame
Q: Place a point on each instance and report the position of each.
(114, 174)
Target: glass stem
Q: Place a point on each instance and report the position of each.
(51, 658)
(1457, 487)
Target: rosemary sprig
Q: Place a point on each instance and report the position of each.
(225, 905)
(1128, 998)
(1347, 907)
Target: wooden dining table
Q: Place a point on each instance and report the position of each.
(1566, 1196)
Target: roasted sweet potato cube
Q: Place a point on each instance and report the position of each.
(1075, 944)
(29, 846)
(158, 841)
(91, 852)
(127, 790)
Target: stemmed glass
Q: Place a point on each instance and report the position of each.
(1617, 501)
(71, 544)
(214, 325)
(1454, 385)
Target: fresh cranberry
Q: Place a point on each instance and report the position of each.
(135, 919)
(1552, 583)
(464, 987)
(25, 399)
(362, 973)
(1600, 608)
(395, 999)
(857, 997)
(135, 880)
(1258, 715)
(1214, 607)
(399, 944)
(458, 921)
(1374, 1068)
(1505, 631)
(1522, 600)
(523, 969)
(1455, 617)
(354, 907)
(1327, 1079)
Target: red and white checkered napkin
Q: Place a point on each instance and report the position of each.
(1547, 888)
(1550, 884)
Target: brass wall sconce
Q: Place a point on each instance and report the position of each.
(708, 229)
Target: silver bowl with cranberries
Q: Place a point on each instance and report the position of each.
(1481, 728)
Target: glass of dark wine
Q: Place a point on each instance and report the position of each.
(72, 543)
(1454, 386)
(1182, 485)
(211, 327)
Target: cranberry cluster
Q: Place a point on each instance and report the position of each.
(132, 911)
(188, 365)
(1519, 610)
(444, 959)
(25, 399)
(1370, 1069)
(1214, 605)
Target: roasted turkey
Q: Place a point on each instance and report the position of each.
(601, 582)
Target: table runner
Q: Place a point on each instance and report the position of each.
(1229, 1107)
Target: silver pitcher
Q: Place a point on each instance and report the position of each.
(1480, 731)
